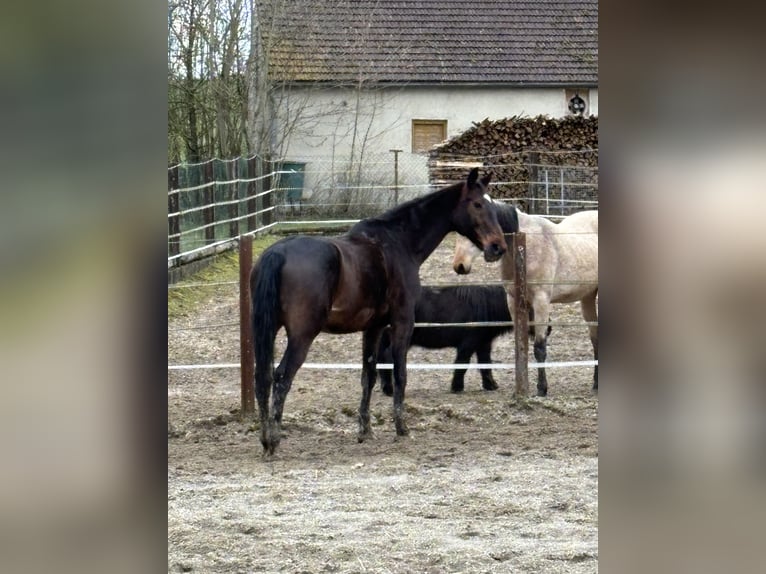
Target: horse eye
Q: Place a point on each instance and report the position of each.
(477, 204)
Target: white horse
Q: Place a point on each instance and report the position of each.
(562, 267)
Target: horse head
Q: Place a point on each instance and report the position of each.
(475, 219)
(465, 253)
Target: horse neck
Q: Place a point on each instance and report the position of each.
(505, 216)
(422, 223)
(534, 223)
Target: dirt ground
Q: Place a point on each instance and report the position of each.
(478, 486)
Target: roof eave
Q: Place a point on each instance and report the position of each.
(431, 84)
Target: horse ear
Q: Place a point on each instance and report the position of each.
(473, 175)
(485, 179)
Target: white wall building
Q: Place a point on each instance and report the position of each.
(357, 79)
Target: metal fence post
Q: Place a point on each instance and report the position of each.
(247, 355)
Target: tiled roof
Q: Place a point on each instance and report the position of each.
(535, 42)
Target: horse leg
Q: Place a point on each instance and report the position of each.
(541, 307)
(512, 307)
(370, 342)
(483, 355)
(458, 377)
(384, 356)
(386, 384)
(262, 395)
(538, 336)
(401, 332)
(295, 355)
(589, 313)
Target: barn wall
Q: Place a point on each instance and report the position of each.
(323, 122)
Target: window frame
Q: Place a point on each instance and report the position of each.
(426, 122)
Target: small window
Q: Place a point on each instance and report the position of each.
(577, 102)
(427, 133)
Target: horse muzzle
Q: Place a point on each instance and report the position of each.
(462, 269)
(494, 251)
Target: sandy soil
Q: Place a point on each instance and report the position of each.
(479, 486)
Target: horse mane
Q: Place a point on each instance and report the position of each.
(412, 212)
(488, 301)
(507, 216)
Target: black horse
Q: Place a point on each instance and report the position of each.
(455, 304)
(363, 280)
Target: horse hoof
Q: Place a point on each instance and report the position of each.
(457, 385)
(265, 441)
(270, 437)
(363, 434)
(388, 391)
(268, 450)
(491, 386)
(542, 392)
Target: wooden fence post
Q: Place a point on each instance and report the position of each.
(252, 190)
(268, 199)
(208, 214)
(247, 356)
(534, 174)
(521, 308)
(396, 153)
(232, 172)
(174, 222)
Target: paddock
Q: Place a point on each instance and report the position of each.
(478, 486)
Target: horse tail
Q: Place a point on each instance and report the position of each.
(265, 318)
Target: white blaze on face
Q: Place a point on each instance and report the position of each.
(488, 198)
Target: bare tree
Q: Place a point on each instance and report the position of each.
(278, 108)
(259, 102)
(226, 96)
(206, 85)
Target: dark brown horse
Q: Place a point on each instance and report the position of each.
(361, 281)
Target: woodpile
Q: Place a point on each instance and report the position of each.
(514, 148)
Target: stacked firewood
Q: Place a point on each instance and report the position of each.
(514, 148)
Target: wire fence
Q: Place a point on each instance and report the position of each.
(211, 203)
(550, 182)
(520, 366)
(508, 284)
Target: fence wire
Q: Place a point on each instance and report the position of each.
(211, 203)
